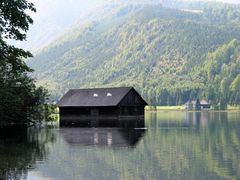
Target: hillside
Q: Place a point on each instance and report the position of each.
(155, 49)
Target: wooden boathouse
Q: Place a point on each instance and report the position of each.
(100, 105)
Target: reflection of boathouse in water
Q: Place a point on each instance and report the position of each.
(100, 106)
(101, 137)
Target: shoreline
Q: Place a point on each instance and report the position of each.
(181, 108)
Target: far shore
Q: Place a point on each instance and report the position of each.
(182, 108)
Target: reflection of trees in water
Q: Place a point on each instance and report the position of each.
(19, 150)
(222, 155)
(172, 148)
(208, 150)
(209, 147)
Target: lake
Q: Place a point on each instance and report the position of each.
(173, 145)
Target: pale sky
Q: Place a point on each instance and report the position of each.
(54, 5)
(54, 17)
(225, 1)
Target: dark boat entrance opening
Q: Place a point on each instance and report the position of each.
(119, 122)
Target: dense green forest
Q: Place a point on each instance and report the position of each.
(170, 53)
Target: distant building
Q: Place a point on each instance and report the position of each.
(205, 104)
(197, 105)
(99, 106)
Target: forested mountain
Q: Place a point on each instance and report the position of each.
(169, 52)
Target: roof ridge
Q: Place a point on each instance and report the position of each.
(130, 87)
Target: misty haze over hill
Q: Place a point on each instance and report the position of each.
(55, 17)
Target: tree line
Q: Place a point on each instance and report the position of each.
(21, 102)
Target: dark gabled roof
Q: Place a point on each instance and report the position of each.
(93, 97)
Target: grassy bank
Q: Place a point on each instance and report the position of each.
(156, 108)
(233, 107)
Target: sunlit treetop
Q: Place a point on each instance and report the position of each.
(14, 21)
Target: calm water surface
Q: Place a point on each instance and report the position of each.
(175, 145)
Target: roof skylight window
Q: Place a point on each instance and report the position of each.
(109, 94)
